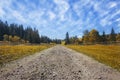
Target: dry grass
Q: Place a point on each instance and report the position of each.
(107, 54)
(10, 53)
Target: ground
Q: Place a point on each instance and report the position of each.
(57, 63)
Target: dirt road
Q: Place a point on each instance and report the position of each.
(57, 63)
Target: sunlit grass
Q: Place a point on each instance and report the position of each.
(107, 54)
(10, 53)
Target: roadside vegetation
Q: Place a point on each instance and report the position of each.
(107, 51)
(9, 53)
(103, 47)
(93, 37)
(107, 54)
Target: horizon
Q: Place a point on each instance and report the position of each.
(56, 17)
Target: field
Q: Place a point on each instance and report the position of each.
(107, 54)
(9, 53)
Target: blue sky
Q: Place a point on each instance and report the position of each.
(54, 18)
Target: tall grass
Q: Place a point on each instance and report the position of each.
(10, 53)
(107, 54)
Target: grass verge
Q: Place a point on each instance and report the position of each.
(9, 53)
(107, 54)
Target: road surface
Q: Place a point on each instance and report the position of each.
(57, 63)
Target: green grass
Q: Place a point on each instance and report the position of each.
(107, 54)
(9, 53)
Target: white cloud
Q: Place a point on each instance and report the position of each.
(3, 4)
(97, 8)
(21, 7)
(18, 16)
(112, 4)
(118, 20)
(115, 13)
(36, 14)
(75, 17)
(79, 9)
(107, 17)
(62, 8)
(7, 7)
(104, 22)
(51, 15)
(119, 25)
(35, 18)
(1, 12)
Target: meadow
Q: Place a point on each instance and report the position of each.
(107, 54)
(9, 52)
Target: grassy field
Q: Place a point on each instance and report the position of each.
(10, 53)
(107, 54)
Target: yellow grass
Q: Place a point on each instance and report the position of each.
(10, 53)
(107, 54)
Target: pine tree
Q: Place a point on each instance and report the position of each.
(103, 39)
(112, 36)
(67, 41)
(29, 34)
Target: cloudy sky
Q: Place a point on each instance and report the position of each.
(54, 18)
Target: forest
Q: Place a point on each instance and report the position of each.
(93, 37)
(18, 33)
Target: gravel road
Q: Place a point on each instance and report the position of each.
(57, 63)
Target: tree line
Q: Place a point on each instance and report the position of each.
(93, 37)
(17, 33)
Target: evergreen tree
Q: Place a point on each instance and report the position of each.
(21, 31)
(67, 41)
(103, 38)
(28, 34)
(112, 36)
(45, 39)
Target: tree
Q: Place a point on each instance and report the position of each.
(94, 36)
(67, 41)
(6, 37)
(29, 34)
(3, 29)
(57, 41)
(112, 36)
(22, 41)
(74, 40)
(118, 37)
(103, 37)
(10, 38)
(21, 31)
(86, 33)
(86, 36)
(15, 39)
(45, 39)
